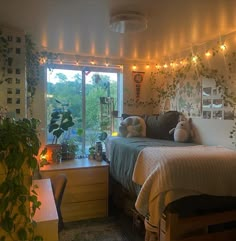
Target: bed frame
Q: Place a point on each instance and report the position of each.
(214, 226)
(218, 226)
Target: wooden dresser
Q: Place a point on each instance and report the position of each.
(86, 193)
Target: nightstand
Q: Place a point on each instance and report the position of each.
(86, 193)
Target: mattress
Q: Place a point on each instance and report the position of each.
(122, 153)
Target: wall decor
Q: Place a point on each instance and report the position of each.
(138, 78)
(13, 86)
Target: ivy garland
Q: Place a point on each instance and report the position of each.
(32, 66)
(197, 68)
(3, 57)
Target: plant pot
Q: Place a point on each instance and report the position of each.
(68, 152)
(53, 153)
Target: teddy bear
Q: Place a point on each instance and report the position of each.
(183, 131)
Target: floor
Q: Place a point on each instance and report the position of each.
(132, 232)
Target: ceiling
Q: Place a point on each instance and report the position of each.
(81, 27)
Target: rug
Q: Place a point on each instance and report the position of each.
(100, 229)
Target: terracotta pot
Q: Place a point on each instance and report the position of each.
(53, 153)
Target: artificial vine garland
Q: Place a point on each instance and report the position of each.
(195, 66)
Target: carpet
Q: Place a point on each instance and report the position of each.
(99, 229)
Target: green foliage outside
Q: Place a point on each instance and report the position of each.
(70, 91)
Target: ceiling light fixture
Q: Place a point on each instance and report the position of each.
(128, 22)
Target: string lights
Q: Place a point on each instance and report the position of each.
(116, 63)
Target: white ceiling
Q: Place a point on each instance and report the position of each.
(82, 26)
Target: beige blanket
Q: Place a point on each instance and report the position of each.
(169, 173)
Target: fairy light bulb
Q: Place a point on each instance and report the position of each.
(134, 67)
(208, 54)
(223, 47)
(194, 59)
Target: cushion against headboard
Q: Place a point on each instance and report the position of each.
(152, 126)
(158, 126)
(165, 123)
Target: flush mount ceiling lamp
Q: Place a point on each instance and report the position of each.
(129, 22)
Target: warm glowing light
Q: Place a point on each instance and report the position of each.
(208, 54)
(194, 59)
(106, 64)
(134, 67)
(165, 65)
(223, 47)
(92, 62)
(147, 66)
(114, 134)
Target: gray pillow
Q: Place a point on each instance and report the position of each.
(152, 126)
(165, 123)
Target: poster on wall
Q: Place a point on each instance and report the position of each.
(188, 97)
(213, 104)
(138, 78)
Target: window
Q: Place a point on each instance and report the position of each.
(81, 91)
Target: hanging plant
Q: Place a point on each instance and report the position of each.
(32, 66)
(3, 57)
(19, 146)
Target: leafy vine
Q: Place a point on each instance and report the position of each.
(3, 57)
(194, 65)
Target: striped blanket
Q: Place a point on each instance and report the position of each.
(169, 173)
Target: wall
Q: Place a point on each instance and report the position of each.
(179, 86)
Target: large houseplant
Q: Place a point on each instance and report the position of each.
(60, 123)
(19, 146)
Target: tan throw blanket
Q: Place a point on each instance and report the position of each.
(169, 173)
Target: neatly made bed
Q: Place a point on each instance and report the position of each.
(161, 175)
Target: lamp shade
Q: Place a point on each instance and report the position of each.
(128, 22)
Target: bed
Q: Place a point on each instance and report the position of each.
(197, 208)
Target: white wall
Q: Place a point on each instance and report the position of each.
(213, 132)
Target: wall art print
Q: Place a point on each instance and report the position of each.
(138, 78)
(188, 98)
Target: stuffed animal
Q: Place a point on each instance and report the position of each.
(132, 126)
(183, 131)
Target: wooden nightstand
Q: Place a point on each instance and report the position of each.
(86, 193)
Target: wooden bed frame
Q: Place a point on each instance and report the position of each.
(214, 226)
(218, 226)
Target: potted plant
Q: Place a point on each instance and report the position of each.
(70, 146)
(60, 123)
(19, 146)
(94, 140)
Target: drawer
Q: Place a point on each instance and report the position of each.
(82, 176)
(84, 210)
(78, 193)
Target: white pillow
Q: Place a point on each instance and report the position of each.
(133, 126)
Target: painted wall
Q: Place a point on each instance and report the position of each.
(180, 86)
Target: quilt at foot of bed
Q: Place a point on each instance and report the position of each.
(151, 236)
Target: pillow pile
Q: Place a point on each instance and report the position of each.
(132, 126)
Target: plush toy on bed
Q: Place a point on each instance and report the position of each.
(183, 131)
(132, 126)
